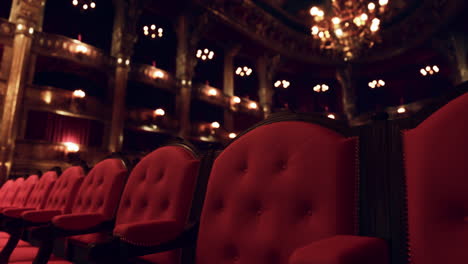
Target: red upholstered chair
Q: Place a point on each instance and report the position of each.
(283, 192)
(436, 165)
(36, 200)
(59, 200)
(94, 208)
(23, 192)
(5, 187)
(11, 193)
(158, 194)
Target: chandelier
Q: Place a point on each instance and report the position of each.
(348, 26)
(85, 4)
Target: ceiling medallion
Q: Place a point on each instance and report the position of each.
(348, 27)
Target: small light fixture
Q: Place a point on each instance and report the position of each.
(79, 94)
(401, 110)
(81, 49)
(321, 88)
(205, 54)
(153, 31)
(212, 92)
(159, 112)
(282, 83)
(158, 74)
(253, 105)
(429, 70)
(85, 4)
(71, 147)
(127, 62)
(31, 30)
(331, 116)
(215, 125)
(119, 60)
(232, 135)
(235, 99)
(244, 71)
(376, 84)
(20, 26)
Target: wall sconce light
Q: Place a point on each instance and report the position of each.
(159, 112)
(79, 94)
(284, 84)
(235, 99)
(376, 84)
(158, 74)
(232, 135)
(212, 92)
(331, 116)
(253, 105)
(205, 54)
(153, 31)
(401, 110)
(215, 125)
(243, 71)
(321, 88)
(71, 147)
(429, 70)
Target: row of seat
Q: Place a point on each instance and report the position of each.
(285, 191)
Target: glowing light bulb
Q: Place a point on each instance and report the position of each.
(215, 125)
(232, 135)
(371, 6)
(212, 92)
(435, 68)
(331, 116)
(75, 2)
(339, 32)
(336, 20)
(423, 72)
(253, 105)
(85, 6)
(93, 5)
(401, 110)
(315, 30)
(236, 99)
(71, 147)
(383, 2)
(314, 11)
(159, 112)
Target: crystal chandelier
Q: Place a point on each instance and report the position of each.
(348, 26)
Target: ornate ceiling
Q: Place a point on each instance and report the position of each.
(284, 26)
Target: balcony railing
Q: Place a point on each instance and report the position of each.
(71, 49)
(217, 97)
(62, 102)
(152, 76)
(152, 121)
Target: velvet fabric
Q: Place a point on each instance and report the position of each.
(436, 165)
(101, 189)
(277, 188)
(41, 190)
(5, 188)
(343, 250)
(11, 193)
(24, 191)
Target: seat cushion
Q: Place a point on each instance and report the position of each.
(26, 254)
(21, 243)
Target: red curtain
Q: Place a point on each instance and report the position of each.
(58, 128)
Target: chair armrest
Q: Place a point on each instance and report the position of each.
(149, 233)
(16, 212)
(342, 250)
(76, 222)
(40, 216)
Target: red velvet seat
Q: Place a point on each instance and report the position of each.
(95, 204)
(23, 192)
(59, 200)
(159, 189)
(11, 193)
(5, 187)
(276, 194)
(436, 164)
(35, 200)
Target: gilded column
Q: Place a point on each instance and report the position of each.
(228, 83)
(123, 39)
(345, 78)
(28, 16)
(266, 68)
(189, 30)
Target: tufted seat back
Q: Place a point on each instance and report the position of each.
(5, 188)
(24, 191)
(64, 191)
(101, 189)
(436, 165)
(275, 189)
(160, 187)
(10, 195)
(41, 190)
